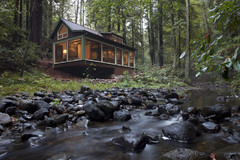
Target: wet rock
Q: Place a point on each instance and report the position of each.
(39, 94)
(33, 142)
(84, 88)
(59, 108)
(192, 110)
(164, 117)
(122, 115)
(171, 95)
(107, 107)
(126, 129)
(172, 109)
(11, 110)
(93, 111)
(174, 101)
(135, 101)
(39, 114)
(193, 119)
(42, 104)
(60, 118)
(60, 156)
(48, 99)
(28, 105)
(184, 154)
(152, 113)
(210, 127)
(217, 112)
(183, 131)
(2, 128)
(5, 119)
(31, 133)
(149, 104)
(131, 141)
(67, 100)
(162, 109)
(5, 103)
(47, 122)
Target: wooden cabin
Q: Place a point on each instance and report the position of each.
(76, 48)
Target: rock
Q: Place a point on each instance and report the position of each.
(184, 154)
(122, 115)
(47, 122)
(39, 94)
(93, 111)
(31, 133)
(192, 110)
(131, 141)
(162, 109)
(217, 112)
(126, 129)
(172, 109)
(67, 100)
(210, 127)
(149, 104)
(183, 131)
(11, 110)
(28, 105)
(48, 99)
(5, 103)
(135, 101)
(164, 117)
(42, 104)
(84, 88)
(39, 114)
(107, 107)
(60, 118)
(60, 156)
(193, 119)
(171, 95)
(59, 108)
(5, 119)
(33, 142)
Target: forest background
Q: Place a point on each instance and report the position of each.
(181, 38)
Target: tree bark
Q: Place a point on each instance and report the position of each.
(76, 12)
(179, 39)
(187, 57)
(15, 35)
(124, 28)
(208, 32)
(36, 23)
(133, 33)
(141, 40)
(160, 33)
(50, 16)
(20, 20)
(27, 15)
(174, 37)
(151, 35)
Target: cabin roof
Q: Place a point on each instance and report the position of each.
(74, 28)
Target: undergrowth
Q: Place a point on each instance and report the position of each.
(11, 83)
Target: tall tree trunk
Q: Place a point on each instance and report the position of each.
(187, 57)
(160, 33)
(36, 22)
(20, 20)
(141, 40)
(124, 28)
(118, 20)
(208, 32)
(15, 35)
(133, 33)
(174, 37)
(81, 12)
(50, 16)
(27, 15)
(179, 39)
(151, 35)
(76, 12)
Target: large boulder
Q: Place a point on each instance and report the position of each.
(172, 109)
(122, 115)
(210, 127)
(183, 131)
(28, 105)
(93, 111)
(184, 154)
(42, 104)
(5, 119)
(107, 107)
(131, 141)
(5, 103)
(217, 112)
(39, 114)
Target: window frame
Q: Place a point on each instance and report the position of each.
(62, 35)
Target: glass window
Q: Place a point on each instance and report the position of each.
(61, 52)
(63, 32)
(75, 49)
(119, 56)
(131, 59)
(125, 58)
(108, 54)
(92, 50)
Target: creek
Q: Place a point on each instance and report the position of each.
(92, 140)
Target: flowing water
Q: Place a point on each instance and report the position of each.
(93, 141)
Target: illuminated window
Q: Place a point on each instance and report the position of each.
(108, 54)
(62, 33)
(93, 50)
(74, 49)
(119, 56)
(125, 58)
(131, 59)
(61, 52)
